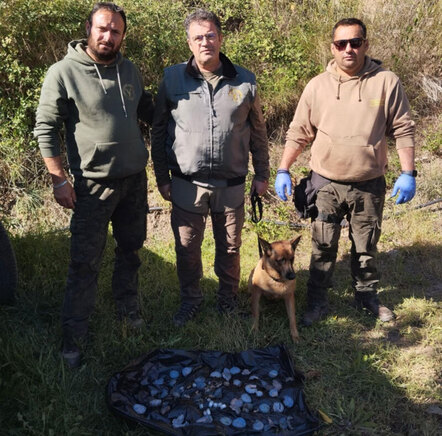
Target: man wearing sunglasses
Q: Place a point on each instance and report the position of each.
(346, 114)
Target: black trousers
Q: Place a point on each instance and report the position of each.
(122, 202)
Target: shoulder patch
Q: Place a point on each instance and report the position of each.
(236, 94)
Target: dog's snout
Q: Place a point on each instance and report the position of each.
(290, 275)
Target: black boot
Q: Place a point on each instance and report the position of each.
(226, 306)
(186, 312)
(317, 307)
(133, 320)
(71, 352)
(370, 302)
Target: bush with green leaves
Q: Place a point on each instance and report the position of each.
(33, 35)
(285, 43)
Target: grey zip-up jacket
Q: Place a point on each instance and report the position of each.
(208, 135)
(99, 106)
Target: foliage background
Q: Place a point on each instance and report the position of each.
(371, 379)
(284, 42)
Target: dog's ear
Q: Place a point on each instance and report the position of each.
(294, 242)
(266, 247)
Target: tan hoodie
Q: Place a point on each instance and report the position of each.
(347, 120)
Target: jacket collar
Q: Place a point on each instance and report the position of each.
(229, 70)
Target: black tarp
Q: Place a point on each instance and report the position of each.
(181, 392)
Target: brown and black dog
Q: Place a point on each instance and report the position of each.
(274, 276)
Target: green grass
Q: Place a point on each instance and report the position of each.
(369, 378)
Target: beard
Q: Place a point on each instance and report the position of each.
(105, 56)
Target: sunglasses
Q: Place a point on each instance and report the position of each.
(354, 43)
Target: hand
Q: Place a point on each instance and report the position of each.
(283, 185)
(259, 187)
(165, 191)
(406, 185)
(65, 196)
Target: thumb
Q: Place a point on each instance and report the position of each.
(252, 188)
(395, 190)
(289, 189)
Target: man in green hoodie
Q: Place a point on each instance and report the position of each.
(98, 96)
(346, 113)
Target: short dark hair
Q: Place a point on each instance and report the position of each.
(350, 22)
(202, 15)
(109, 6)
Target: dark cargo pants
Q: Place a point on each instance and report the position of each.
(191, 206)
(124, 203)
(362, 205)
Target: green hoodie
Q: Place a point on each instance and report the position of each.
(99, 106)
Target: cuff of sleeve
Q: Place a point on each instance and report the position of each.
(405, 142)
(261, 178)
(163, 181)
(292, 144)
(48, 150)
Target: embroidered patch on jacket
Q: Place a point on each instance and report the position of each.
(376, 102)
(128, 91)
(236, 95)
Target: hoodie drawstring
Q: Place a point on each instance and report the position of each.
(121, 92)
(101, 80)
(339, 89)
(119, 86)
(338, 92)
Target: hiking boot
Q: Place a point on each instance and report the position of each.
(226, 306)
(135, 321)
(71, 354)
(132, 319)
(186, 312)
(370, 302)
(314, 312)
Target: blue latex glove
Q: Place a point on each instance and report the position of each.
(283, 184)
(406, 185)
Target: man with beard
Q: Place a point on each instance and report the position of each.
(98, 96)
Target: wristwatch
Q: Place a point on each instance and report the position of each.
(410, 173)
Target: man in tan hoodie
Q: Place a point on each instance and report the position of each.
(346, 114)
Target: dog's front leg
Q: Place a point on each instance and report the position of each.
(290, 307)
(256, 295)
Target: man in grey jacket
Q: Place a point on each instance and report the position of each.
(208, 118)
(98, 96)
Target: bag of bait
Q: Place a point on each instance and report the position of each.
(181, 392)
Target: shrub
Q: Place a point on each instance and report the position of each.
(406, 37)
(285, 43)
(33, 34)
